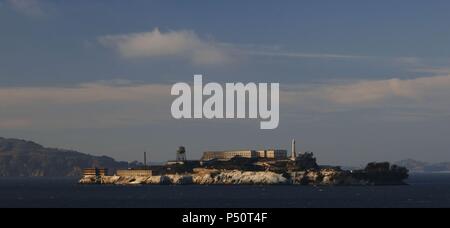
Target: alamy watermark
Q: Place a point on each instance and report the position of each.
(237, 97)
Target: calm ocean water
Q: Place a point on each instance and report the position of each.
(425, 190)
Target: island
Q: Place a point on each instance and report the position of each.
(249, 167)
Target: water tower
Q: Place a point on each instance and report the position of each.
(181, 154)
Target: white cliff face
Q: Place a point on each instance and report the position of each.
(131, 180)
(325, 177)
(240, 177)
(232, 177)
(87, 180)
(157, 180)
(205, 178)
(181, 179)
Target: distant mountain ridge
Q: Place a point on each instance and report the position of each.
(425, 167)
(21, 158)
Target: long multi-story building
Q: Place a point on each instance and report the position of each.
(227, 155)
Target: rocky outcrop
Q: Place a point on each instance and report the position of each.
(205, 178)
(131, 180)
(382, 173)
(234, 177)
(327, 176)
(239, 177)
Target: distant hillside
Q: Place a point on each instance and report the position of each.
(418, 166)
(25, 158)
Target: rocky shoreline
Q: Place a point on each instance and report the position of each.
(324, 177)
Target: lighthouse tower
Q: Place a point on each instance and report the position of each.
(293, 151)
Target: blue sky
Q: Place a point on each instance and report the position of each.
(64, 37)
(362, 80)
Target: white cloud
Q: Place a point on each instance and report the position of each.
(392, 99)
(122, 103)
(83, 93)
(278, 53)
(186, 44)
(375, 91)
(91, 105)
(180, 44)
(27, 7)
(432, 70)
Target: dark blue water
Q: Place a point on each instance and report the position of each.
(425, 190)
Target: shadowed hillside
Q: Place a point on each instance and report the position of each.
(418, 166)
(26, 158)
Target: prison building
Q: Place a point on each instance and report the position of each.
(95, 172)
(227, 155)
(134, 173)
(273, 154)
